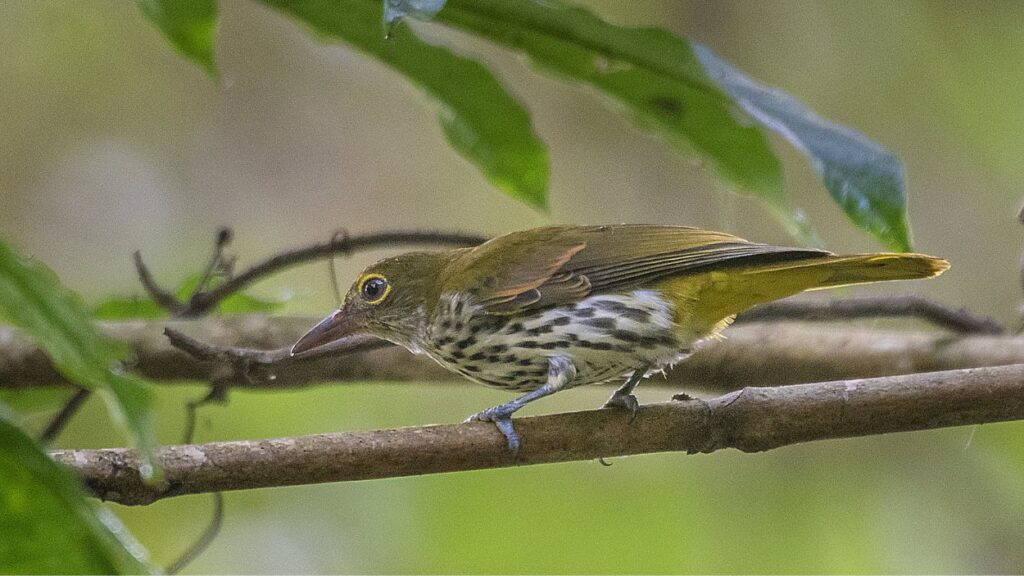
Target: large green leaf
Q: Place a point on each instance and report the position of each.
(865, 179)
(47, 526)
(653, 74)
(189, 26)
(32, 297)
(481, 120)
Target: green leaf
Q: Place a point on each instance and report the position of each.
(480, 119)
(32, 297)
(125, 308)
(865, 179)
(189, 26)
(653, 75)
(48, 525)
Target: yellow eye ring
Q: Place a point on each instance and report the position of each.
(374, 288)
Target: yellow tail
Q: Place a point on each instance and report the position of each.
(707, 302)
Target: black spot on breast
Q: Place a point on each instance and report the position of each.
(466, 343)
(561, 321)
(542, 329)
(584, 313)
(514, 328)
(470, 368)
(626, 335)
(477, 357)
(549, 345)
(458, 354)
(603, 346)
(527, 344)
(602, 323)
(497, 348)
(494, 359)
(524, 362)
(637, 315)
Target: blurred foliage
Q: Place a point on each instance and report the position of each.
(189, 26)
(32, 297)
(48, 526)
(654, 74)
(481, 120)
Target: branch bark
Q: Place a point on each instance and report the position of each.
(771, 354)
(751, 420)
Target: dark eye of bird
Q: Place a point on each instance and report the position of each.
(373, 289)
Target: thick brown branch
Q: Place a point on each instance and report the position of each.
(751, 420)
(768, 353)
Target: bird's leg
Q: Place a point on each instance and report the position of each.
(561, 371)
(623, 397)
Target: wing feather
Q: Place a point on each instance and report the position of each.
(559, 265)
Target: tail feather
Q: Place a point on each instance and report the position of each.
(706, 302)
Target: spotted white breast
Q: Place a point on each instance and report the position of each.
(606, 337)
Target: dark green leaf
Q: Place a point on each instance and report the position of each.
(865, 179)
(32, 297)
(47, 524)
(652, 73)
(188, 25)
(481, 120)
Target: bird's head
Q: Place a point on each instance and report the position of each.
(388, 300)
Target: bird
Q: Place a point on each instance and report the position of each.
(546, 309)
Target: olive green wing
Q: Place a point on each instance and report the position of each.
(561, 265)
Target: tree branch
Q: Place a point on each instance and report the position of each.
(898, 306)
(770, 353)
(203, 300)
(751, 420)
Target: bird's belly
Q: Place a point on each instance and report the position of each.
(606, 337)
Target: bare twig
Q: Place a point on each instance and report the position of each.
(164, 298)
(61, 419)
(204, 540)
(961, 321)
(751, 420)
(769, 353)
(206, 299)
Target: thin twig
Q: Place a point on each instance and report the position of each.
(899, 306)
(63, 417)
(204, 540)
(164, 298)
(751, 420)
(203, 301)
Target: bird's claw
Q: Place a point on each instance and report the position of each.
(626, 401)
(503, 421)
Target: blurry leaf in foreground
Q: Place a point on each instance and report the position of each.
(653, 74)
(395, 10)
(32, 298)
(480, 119)
(188, 25)
(47, 524)
(865, 179)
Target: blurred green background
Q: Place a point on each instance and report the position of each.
(111, 142)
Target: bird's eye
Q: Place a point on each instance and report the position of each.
(374, 289)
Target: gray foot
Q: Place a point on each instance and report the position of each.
(501, 416)
(626, 401)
